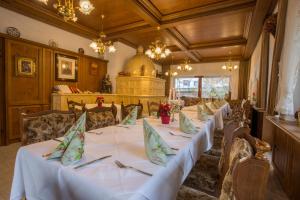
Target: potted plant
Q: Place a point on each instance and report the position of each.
(164, 113)
(99, 101)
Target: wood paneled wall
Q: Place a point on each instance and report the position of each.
(2, 92)
(29, 95)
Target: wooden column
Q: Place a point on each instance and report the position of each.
(279, 38)
(263, 75)
(199, 86)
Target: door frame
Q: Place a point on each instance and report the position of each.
(2, 94)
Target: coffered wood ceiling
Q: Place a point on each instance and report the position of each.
(200, 30)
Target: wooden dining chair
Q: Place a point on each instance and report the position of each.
(100, 117)
(153, 108)
(45, 125)
(75, 106)
(126, 109)
(247, 174)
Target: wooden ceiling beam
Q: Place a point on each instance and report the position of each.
(260, 13)
(220, 43)
(179, 41)
(206, 60)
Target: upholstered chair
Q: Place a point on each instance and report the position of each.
(208, 170)
(100, 117)
(46, 125)
(229, 127)
(126, 109)
(246, 177)
(191, 101)
(153, 108)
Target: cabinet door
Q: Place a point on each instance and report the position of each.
(295, 170)
(280, 153)
(13, 117)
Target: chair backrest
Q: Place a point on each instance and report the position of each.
(153, 108)
(75, 106)
(247, 175)
(100, 117)
(191, 101)
(45, 125)
(126, 109)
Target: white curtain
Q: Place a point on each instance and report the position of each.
(290, 60)
(254, 72)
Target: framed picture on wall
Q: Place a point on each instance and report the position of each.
(66, 68)
(25, 66)
(94, 69)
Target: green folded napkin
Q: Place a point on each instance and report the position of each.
(70, 150)
(157, 150)
(130, 119)
(207, 110)
(211, 105)
(201, 115)
(186, 125)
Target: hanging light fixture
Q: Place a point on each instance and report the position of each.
(229, 65)
(185, 66)
(99, 45)
(157, 49)
(67, 9)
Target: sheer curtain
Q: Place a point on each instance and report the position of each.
(254, 72)
(290, 60)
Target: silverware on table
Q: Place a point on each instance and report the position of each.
(122, 126)
(176, 149)
(121, 165)
(171, 133)
(57, 140)
(90, 162)
(93, 132)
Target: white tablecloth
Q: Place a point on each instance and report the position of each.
(119, 114)
(49, 180)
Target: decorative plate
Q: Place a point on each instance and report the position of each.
(14, 32)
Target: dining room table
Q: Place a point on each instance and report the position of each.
(38, 178)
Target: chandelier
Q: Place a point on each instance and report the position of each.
(157, 50)
(67, 9)
(229, 65)
(185, 66)
(99, 45)
(170, 73)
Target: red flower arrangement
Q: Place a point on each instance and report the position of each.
(100, 100)
(165, 113)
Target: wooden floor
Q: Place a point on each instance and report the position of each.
(8, 154)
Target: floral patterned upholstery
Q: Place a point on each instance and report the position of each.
(216, 148)
(204, 175)
(101, 119)
(127, 109)
(45, 126)
(241, 149)
(187, 193)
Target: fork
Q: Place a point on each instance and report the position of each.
(122, 126)
(171, 133)
(121, 165)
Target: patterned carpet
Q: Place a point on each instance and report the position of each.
(8, 154)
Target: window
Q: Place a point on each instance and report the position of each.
(187, 86)
(215, 87)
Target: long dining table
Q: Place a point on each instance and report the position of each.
(38, 178)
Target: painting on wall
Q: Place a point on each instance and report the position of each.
(66, 68)
(94, 69)
(25, 67)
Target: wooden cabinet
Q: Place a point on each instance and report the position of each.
(33, 93)
(286, 155)
(13, 118)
